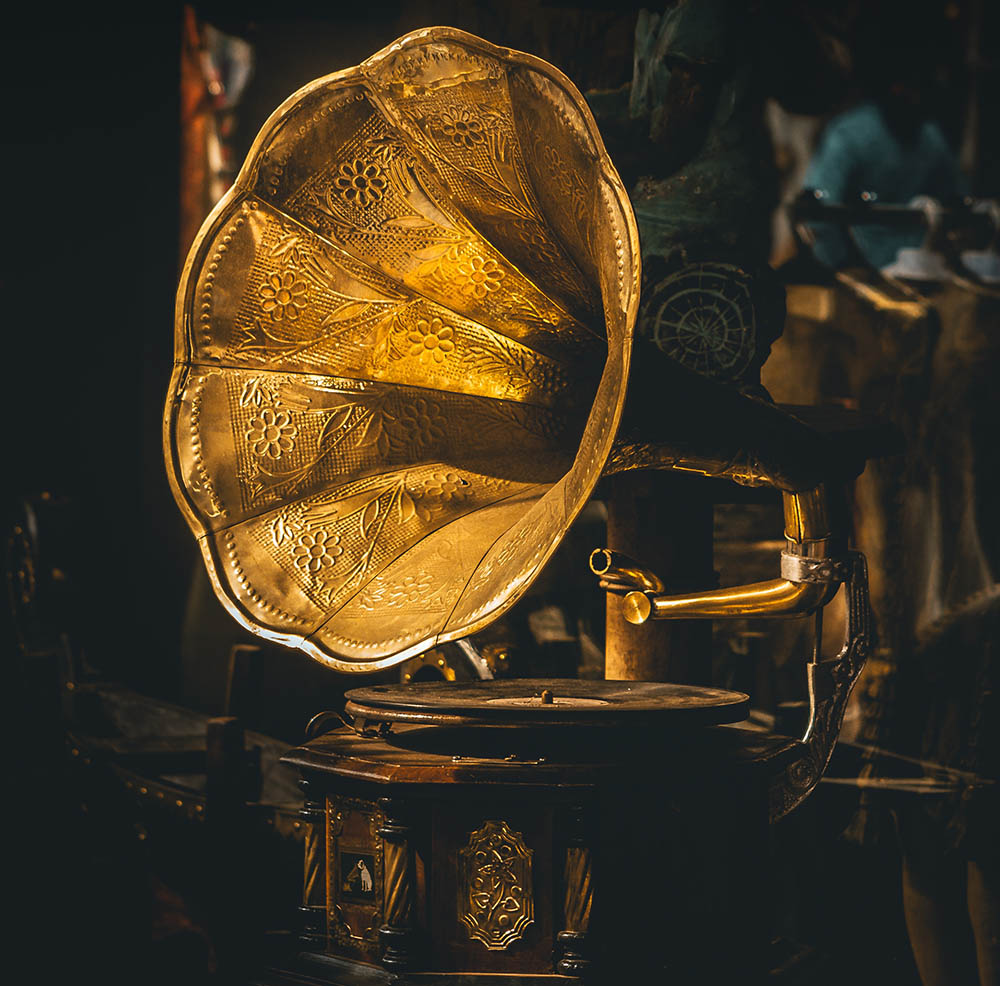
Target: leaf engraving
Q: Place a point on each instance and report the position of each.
(409, 222)
(405, 505)
(368, 517)
(350, 310)
(432, 252)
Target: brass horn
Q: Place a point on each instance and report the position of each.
(402, 344)
(403, 341)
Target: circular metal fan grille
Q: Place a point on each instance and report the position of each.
(703, 317)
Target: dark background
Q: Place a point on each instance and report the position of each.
(90, 252)
(87, 278)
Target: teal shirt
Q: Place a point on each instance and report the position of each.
(859, 153)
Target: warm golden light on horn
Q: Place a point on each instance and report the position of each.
(393, 335)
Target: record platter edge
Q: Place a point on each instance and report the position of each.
(535, 702)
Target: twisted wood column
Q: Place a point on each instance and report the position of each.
(578, 898)
(313, 910)
(396, 933)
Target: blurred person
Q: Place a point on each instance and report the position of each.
(888, 149)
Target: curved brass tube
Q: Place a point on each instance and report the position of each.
(807, 527)
(812, 579)
(619, 573)
(807, 532)
(776, 597)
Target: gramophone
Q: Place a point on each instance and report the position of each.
(404, 344)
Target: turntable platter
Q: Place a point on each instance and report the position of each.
(548, 702)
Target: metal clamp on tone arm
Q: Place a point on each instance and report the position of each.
(822, 571)
(830, 684)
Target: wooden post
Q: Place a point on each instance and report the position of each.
(396, 934)
(578, 896)
(230, 914)
(312, 934)
(663, 521)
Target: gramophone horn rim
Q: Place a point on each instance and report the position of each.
(620, 302)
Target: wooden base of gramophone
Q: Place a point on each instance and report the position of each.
(462, 847)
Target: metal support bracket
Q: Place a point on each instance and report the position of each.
(830, 683)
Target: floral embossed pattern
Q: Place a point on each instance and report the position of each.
(432, 338)
(282, 296)
(423, 423)
(462, 128)
(533, 237)
(413, 588)
(446, 486)
(438, 489)
(314, 552)
(272, 433)
(392, 335)
(479, 276)
(496, 893)
(360, 183)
